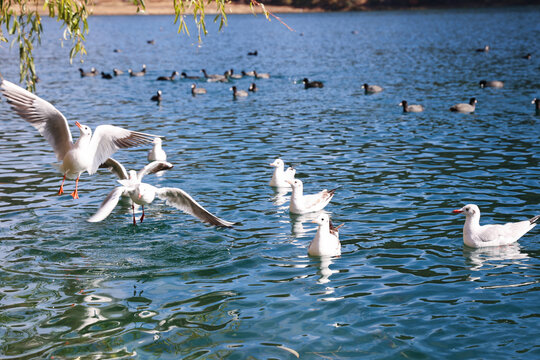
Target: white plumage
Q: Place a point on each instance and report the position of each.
(302, 204)
(476, 235)
(157, 153)
(144, 194)
(88, 152)
(280, 175)
(326, 241)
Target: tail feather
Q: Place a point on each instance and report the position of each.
(535, 219)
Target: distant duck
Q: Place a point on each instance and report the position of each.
(303, 204)
(261, 76)
(151, 42)
(106, 76)
(157, 153)
(312, 84)
(372, 89)
(282, 178)
(326, 240)
(214, 77)
(183, 75)
(138, 73)
(253, 87)
(248, 73)
(493, 84)
(536, 103)
(232, 75)
(528, 56)
(197, 91)
(168, 78)
(157, 97)
(253, 53)
(93, 72)
(238, 93)
(117, 72)
(484, 49)
(465, 108)
(411, 108)
(117, 50)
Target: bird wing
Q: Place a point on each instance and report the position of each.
(107, 205)
(107, 139)
(181, 200)
(42, 115)
(116, 168)
(154, 167)
(318, 199)
(506, 233)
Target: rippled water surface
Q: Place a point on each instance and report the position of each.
(172, 287)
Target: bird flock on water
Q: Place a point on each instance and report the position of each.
(93, 150)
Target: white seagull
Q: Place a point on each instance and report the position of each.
(157, 153)
(280, 176)
(326, 241)
(476, 235)
(88, 153)
(144, 194)
(302, 204)
(120, 171)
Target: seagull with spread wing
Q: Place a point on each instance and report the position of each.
(88, 152)
(144, 194)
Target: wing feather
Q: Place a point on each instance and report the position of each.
(181, 200)
(107, 205)
(42, 115)
(107, 139)
(116, 168)
(153, 168)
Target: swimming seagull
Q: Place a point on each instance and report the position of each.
(476, 235)
(280, 175)
(302, 204)
(144, 194)
(157, 153)
(326, 241)
(88, 152)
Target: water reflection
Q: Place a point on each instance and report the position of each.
(489, 256)
(297, 223)
(324, 270)
(280, 197)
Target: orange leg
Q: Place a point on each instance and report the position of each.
(75, 193)
(61, 191)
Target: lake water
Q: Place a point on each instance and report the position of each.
(172, 287)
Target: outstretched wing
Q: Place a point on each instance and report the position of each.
(154, 167)
(107, 205)
(181, 200)
(116, 168)
(50, 122)
(107, 139)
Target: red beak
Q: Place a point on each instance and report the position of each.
(457, 211)
(78, 124)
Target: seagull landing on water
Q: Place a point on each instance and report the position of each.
(476, 235)
(303, 204)
(326, 241)
(88, 152)
(144, 194)
(280, 176)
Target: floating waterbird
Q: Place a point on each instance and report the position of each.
(326, 240)
(302, 204)
(280, 175)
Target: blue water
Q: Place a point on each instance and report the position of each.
(172, 287)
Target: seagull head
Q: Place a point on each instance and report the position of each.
(85, 130)
(468, 210)
(322, 219)
(296, 183)
(278, 163)
(157, 141)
